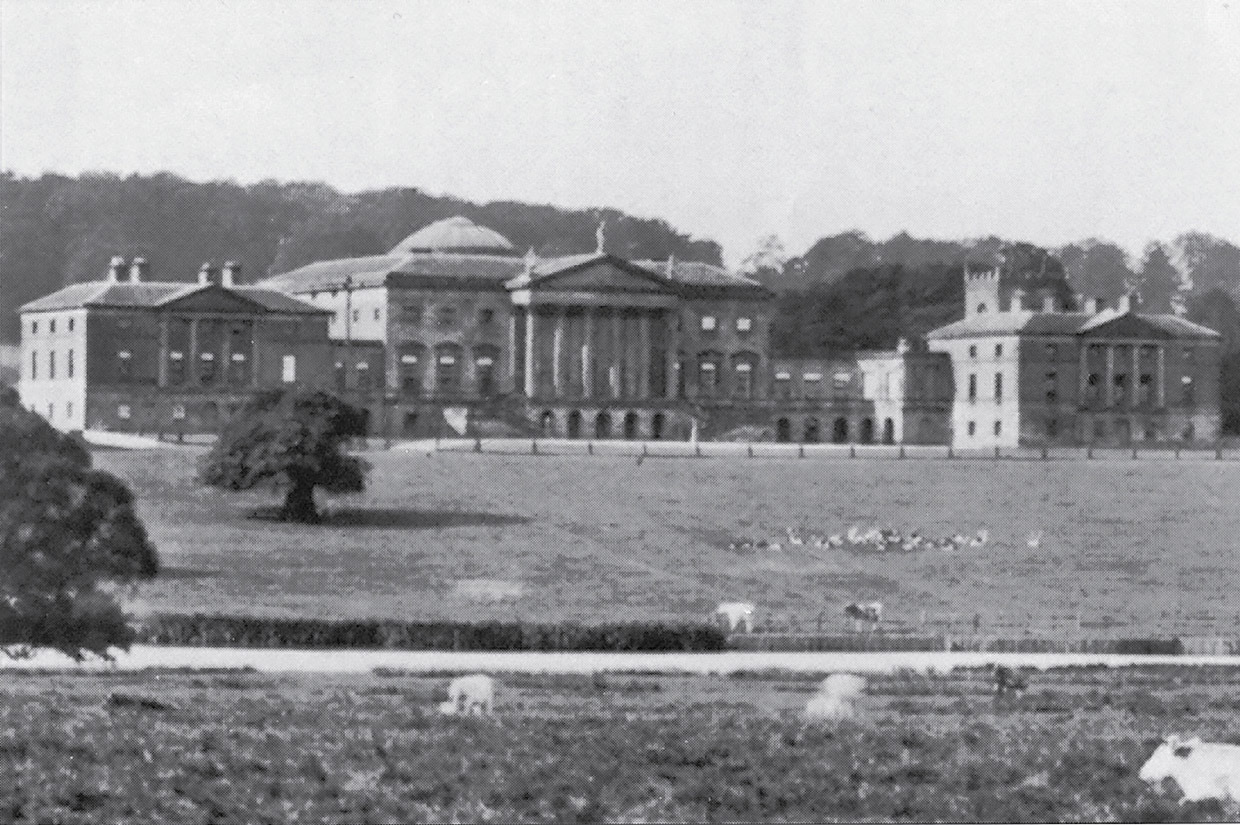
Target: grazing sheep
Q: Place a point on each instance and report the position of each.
(836, 698)
(1007, 679)
(470, 695)
(871, 612)
(735, 614)
(1203, 770)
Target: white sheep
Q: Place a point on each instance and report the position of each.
(470, 695)
(836, 698)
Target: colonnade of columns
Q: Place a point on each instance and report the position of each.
(590, 352)
(223, 351)
(1108, 394)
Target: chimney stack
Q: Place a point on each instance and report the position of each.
(206, 274)
(1017, 301)
(230, 273)
(1048, 303)
(138, 270)
(1125, 303)
(1091, 306)
(116, 269)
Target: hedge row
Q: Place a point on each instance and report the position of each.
(879, 642)
(241, 631)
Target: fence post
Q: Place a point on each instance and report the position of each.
(1044, 452)
(697, 449)
(589, 448)
(1177, 452)
(950, 452)
(901, 451)
(533, 446)
(1134, 451)
(1218, 452)
(996, 451)
(852, 450)
(1089, 451)
(751, 450)
(800, 451)
(478, 444)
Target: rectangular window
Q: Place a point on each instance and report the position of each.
(446, 376)
(376, 313)
(486, 315)
(340, 377)
(446, 317)
(51, 411)
(1186, 391)
(709, 379)
(842, 380)
(410, 374)
(363, 376)
(811, 385)
(1145, 395)
(998, 350)
(1051, 387)
(744, 381)
(122, 411)
(783, 385)
(998, 428)
(412, 313)
(124, 365)
(34, 327)
(51, 365)
(484, 372)
(357, 315)
(68, 409)
(176, 367)
(51, 326)
(34, 365)
(709, 323)
(71, 325)
(998, 386)
(972, 428)
(1092, 384)
(206, 367)
(1052, 352)
(1121, 390)
(744, 324)
(238, 370)
(972, 386)
(973, 351)
(69, 363)
(288, 369)
(178, 412)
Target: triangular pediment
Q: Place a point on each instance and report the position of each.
(1128, 325)
(212, 298)
(605, 274)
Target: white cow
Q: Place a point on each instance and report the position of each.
(470, 695)
(736, 614)
(1203, 770)
(836, 698)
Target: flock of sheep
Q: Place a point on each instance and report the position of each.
(873, 540)
(1203, 770)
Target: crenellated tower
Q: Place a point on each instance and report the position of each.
(981, 291)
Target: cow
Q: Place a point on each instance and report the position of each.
(735, 614)
(470, 695)
(836, 698)
(871, 612)
(1203, 770)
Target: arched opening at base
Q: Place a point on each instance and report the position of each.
(630, 425)
(839, 431)
(783, 431)
(811, 431)
(656, 426)
(546, 424)
(602, 425)
(574, 424)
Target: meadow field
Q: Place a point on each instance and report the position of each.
(1134, 548)
(179, 746)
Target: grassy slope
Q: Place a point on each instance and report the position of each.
(184, 747)
(603, 538)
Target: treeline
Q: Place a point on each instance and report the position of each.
(262, 632)
(60, 229)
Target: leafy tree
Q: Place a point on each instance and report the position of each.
(1098, 269)
(294, 439)
(1159, 281)
(1210, 262)
(69, 537)
(767, 261)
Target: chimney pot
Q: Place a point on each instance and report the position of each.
(206, 273)
(229, 274)
(116, 269)
(138, 270)
(1048, 303)
(1091, 306)
(1125, 303)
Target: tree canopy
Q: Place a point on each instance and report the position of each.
(69, 536)
(289, 438)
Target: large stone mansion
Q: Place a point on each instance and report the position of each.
(454, 332)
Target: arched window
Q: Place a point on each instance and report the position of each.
(486, 357)
(839, 430)
(630, 425)
(811, 431)
(783, 431)
(411, 367)
(656, 426)
(602, 425)
(546, 423)
(447, 369)
(867, 431)
(889, 431)
(708, 374)
(744, 368)
(574, 424)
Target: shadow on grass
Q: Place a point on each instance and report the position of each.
(394, 519)
(166, 573)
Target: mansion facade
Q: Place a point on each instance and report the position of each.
(454, 333)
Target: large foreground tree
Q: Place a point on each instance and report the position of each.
(69, 538)
(294, 439)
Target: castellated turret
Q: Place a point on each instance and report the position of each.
(981, 291)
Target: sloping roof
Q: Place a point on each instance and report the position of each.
(1027, 322)
(151, 294)
(455, 234)
(696, 272)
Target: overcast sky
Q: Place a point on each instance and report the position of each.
(1047, 122)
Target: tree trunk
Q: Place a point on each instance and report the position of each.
(299, 504)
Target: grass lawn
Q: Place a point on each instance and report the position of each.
(1136, 547)
(245, 747)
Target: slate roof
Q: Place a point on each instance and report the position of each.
(455, 234)
(1027, 322)
(151, 294)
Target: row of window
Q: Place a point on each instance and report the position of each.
(972, 428)
(51, 365)
(710, 323)
(51, 326)
(1052, 352)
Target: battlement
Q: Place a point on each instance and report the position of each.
(981, 276)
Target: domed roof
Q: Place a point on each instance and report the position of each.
(456, 234)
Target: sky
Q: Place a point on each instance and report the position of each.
(1041, 121)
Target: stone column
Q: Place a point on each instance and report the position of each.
(558, 353)
(224, 371)
(1136, 376)
(617, 355)
(1162, 377)
(673, 348)
(163, 351)
(1110, 382)
(191, 365)
(643, 360)
(530, 384)
(511, 366)
(587, 354)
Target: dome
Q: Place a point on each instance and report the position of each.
(456, 234)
